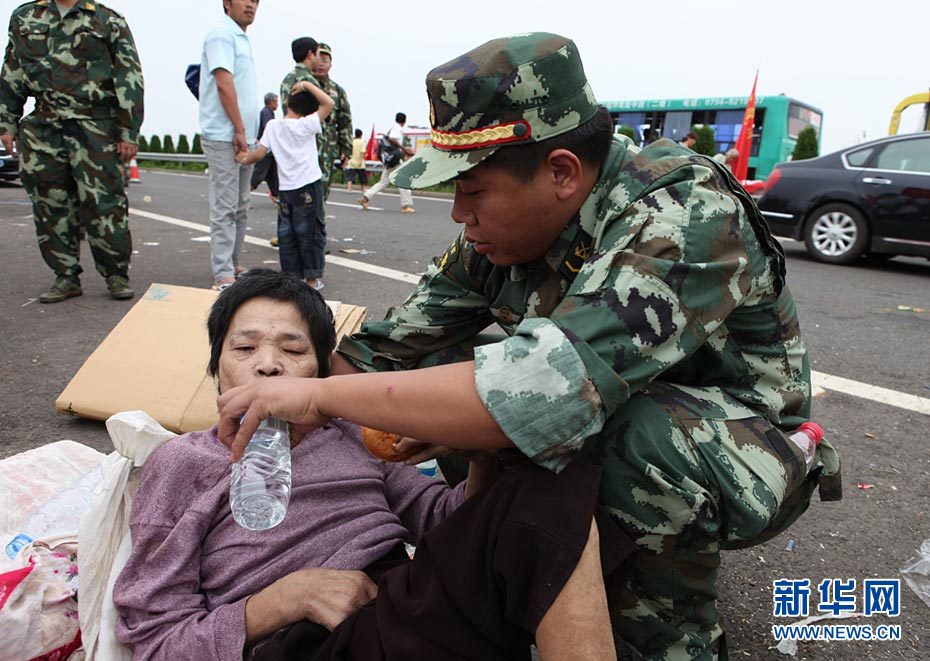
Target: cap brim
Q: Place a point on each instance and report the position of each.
(433, 166)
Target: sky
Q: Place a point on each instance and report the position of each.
(855, 64)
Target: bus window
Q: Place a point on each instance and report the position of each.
(757, 129)
(635, 121)
(677, 125)
(799, 118)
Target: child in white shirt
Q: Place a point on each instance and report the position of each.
(301, 218)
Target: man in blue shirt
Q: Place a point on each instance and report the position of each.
(229, 124)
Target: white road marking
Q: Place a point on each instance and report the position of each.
(335, 190)
(819, 379)
(330, 259)
(873, 393)
(328, 202)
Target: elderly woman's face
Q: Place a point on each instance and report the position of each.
(265, 338)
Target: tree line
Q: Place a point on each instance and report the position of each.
(165, 145)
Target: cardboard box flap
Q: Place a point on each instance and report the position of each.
(155, 360)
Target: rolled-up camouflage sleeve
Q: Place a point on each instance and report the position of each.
(444, 313)
(13, 91)
(127, 80)
(638, 306)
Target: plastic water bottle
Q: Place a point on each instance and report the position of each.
(261, 479)
(808, 437)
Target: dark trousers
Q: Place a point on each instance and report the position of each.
(266, 170)
(481, 581)
(302, 231)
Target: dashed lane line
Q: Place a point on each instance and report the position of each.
(819, 379)
(255, 241)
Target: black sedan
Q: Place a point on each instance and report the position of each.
(871, 199)
(9, 166)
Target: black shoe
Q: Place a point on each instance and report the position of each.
(63, 288)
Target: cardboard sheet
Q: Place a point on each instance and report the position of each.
(155, 360)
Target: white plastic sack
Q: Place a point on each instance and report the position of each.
(917, 573)
(45, 491)
(38, 601)
(104, 531)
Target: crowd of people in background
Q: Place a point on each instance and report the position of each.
(232, 128)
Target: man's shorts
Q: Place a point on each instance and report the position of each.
(361, 173)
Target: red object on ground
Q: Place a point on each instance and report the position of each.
(371, 150)
(744, 141)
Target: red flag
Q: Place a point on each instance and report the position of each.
(371, 151)
(744, 142)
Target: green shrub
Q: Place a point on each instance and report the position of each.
(807, 145)
(155, 145)
(628, 131)
(168, 145)
(196, 148)
(706, 140)
(183, 147)
(143, 143)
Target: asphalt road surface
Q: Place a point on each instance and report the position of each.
(871, 356)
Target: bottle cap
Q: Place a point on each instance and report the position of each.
(813, 430)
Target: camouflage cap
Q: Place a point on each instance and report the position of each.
(509, 91)
(324, 48)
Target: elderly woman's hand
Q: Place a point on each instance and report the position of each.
(287, 398)
(324, 596)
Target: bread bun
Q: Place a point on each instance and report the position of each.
(381, 445)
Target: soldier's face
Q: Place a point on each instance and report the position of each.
(323, 64)
(241, 11)
(265, 338)
(508, 220)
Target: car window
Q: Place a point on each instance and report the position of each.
(857, 159)
(911, 155)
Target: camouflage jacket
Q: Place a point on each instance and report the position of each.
(300, 73)
(82, 65)
(337, 135)
(667, 272)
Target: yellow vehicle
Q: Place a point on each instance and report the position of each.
(924, 98)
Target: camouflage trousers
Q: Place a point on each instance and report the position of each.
(72, 174)
(688, 472)
(328, 155)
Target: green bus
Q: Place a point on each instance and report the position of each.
(778, 121)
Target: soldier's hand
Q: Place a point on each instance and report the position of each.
(9, 143)
(126, 151)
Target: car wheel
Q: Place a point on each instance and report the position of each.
(836, 234)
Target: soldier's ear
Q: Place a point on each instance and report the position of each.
(564, 170)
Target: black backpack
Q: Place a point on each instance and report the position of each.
(192, 79)
(389, 153)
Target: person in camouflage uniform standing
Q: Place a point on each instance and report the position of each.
(650, 331)
(335, 143)
(79, 61)
(304, 52)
